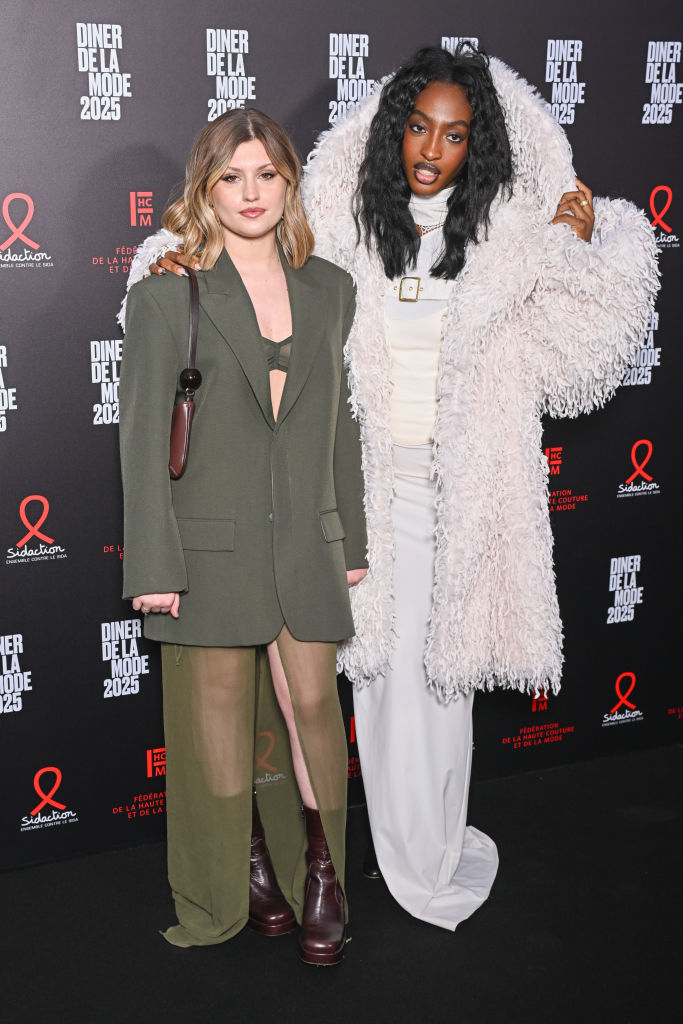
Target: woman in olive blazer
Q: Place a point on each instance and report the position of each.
(268, 516)
(254, 546)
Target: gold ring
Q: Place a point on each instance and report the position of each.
(584, 202)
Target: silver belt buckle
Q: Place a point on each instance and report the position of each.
(416, 286)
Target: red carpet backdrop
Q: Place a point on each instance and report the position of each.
(98, 116)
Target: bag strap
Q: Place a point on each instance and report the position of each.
(191, 378)
(194, 318)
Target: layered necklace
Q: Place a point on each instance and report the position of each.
(429, 212)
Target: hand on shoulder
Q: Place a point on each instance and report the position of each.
(174, 260)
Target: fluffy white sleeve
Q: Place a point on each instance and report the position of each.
(153, 247)
(591, 307)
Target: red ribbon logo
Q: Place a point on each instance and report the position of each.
(47, 797)
(34, 528)
(262, 760)
(623, 697)
(658, 215)
(18, 231)
(639, 466)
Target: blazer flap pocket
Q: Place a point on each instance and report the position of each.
(332, 525)
(207, 534)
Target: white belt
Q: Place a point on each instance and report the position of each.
(412, 289)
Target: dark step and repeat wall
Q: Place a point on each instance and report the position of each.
(98, 116)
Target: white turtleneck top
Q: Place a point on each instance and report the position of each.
(414, 328)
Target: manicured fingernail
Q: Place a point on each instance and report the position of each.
(162, 271)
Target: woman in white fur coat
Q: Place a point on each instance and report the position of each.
(481, 305)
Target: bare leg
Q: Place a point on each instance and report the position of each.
(307, 693)
(285, 701)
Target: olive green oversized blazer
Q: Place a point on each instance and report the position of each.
(265, 521)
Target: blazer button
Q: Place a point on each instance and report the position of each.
(270, 517)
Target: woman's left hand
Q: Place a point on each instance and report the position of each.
(354, 576)
(161, 603)
(576, 209)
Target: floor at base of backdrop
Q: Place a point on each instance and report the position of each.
(583, 925)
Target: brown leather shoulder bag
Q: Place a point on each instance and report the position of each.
(190, 379)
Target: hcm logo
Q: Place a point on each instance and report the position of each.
(141, 209)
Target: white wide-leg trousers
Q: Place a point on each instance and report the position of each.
(416, 752)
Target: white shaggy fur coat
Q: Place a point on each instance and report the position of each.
(538, 322)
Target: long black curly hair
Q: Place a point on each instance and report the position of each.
(382, 196)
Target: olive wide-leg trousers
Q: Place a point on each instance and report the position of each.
(225, 735)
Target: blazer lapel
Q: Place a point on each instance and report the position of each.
(309, 322)
(227, 304)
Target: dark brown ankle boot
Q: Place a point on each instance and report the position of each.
(323, 931)
(269, 911)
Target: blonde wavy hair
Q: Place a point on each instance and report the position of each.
(192, 217)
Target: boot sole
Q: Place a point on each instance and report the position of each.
(323, 959)
(272, 930)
